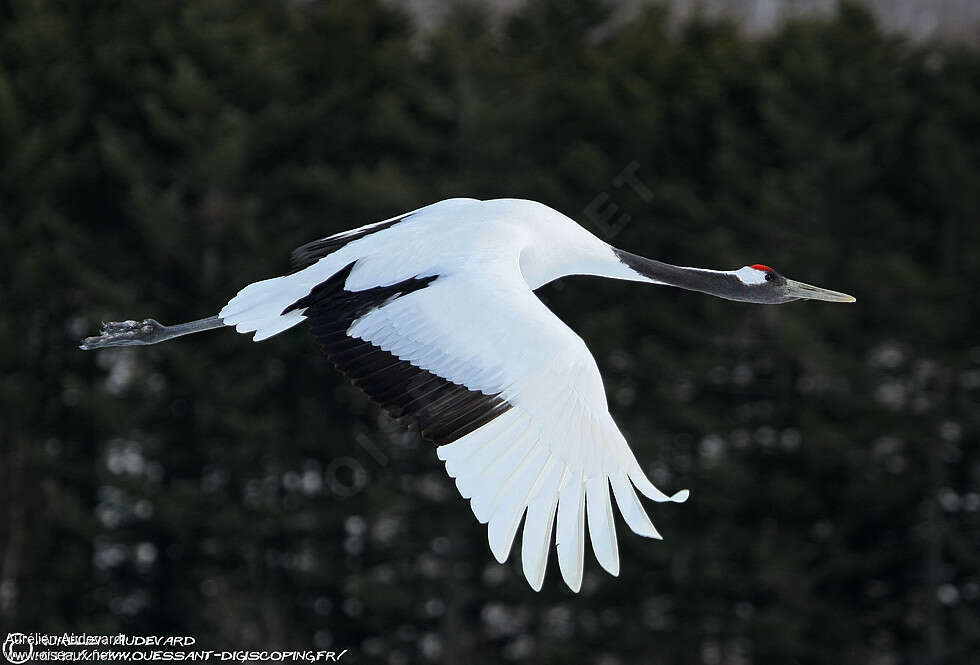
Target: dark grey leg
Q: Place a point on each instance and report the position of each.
(147, 331)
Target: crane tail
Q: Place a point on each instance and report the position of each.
(260, 307)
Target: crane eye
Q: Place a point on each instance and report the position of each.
(770, 277)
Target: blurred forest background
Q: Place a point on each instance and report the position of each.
(156, 156)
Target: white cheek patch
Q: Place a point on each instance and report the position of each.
(750, 276)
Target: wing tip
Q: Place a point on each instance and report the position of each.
(500, 543)
(681, 497)
(534, 572)
(647, 531)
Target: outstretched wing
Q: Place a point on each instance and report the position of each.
(512, 396)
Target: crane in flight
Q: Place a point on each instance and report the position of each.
(433, 314)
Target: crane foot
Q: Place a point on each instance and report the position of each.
(124, 333)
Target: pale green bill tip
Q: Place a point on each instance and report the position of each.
(810, 292)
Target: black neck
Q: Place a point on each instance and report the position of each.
(715, 283)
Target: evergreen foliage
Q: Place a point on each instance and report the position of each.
(158, 156)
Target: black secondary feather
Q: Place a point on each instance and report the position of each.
(440, 409)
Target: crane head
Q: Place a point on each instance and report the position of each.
(765, 285)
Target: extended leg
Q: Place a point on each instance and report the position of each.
(147, 331)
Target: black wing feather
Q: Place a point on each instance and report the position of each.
(311, 252)
(440, 409)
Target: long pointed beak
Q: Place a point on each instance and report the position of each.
(801, 290)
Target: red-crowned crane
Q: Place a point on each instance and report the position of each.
(433, 314)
